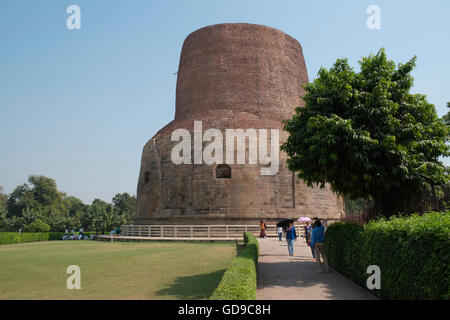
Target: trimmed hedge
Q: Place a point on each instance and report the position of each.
(239, 281)
(413, 254)
(15, 237)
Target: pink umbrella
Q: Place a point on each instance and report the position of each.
(304, 219)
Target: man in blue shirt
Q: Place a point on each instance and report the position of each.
(317, 240)
(291, 236)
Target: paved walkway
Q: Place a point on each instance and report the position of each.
(282, 277)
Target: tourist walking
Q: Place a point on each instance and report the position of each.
(309, 241)
(280, 233)
(263, 227)
(307, 228)
(317, 240)
(291, 236)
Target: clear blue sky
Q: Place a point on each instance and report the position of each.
(79, 105)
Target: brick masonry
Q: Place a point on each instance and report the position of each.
(231, 76)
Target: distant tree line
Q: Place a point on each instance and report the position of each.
(38, 206)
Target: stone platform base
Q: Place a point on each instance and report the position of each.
(131, 238)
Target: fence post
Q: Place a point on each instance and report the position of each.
(226, 234)
(192, 231)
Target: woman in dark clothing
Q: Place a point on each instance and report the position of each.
(263, 227)
(307, 229)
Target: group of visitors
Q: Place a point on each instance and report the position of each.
(115, 231)
(75, 235)
(308, 230)
(316, 241)
(314, 236)
(80, 235)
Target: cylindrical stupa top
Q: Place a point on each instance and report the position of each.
(231, 76)
(240, 68)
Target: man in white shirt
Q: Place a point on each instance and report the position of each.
(280, 232)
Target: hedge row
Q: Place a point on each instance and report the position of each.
(15, 237)
(239, 281)
(413, 254)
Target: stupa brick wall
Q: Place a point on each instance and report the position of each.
(231, 76)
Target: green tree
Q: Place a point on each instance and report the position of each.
(73, 205)
(55, 219)
(367, 136)
(124, 208)
(3, 199)
(100, 215)
(19, 200)
(40, 199)
(85, 219)
(13, 224)
(40, 193)
(37, 226)
(446, 117)
(355, 206)
(30, 215)
(3, 210)
(45, 192)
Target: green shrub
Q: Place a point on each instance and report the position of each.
(55, 235)
(239, 281)
(9, 237)
(342, 241)
(15, 237)
(37, 226)
(413, 254)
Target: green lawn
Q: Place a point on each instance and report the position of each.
(120, 270)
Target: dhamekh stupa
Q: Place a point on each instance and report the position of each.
(231, 76)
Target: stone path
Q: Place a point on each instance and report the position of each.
(282, 277)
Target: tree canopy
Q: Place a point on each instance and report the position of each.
(446, 117)
(366, 135)
(38, 204)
